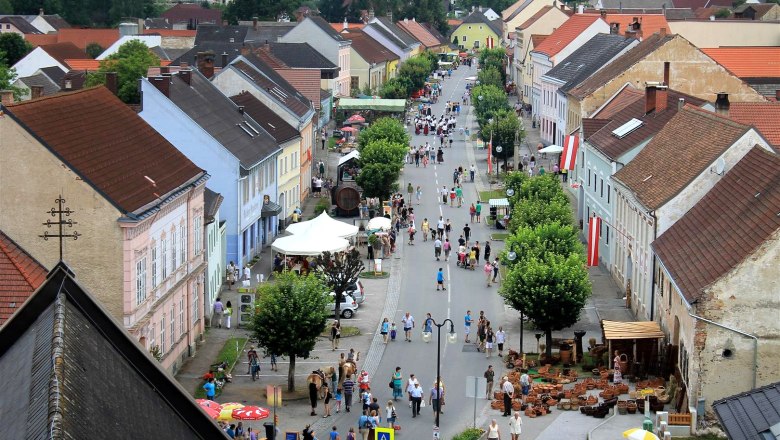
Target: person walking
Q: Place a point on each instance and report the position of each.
(467, 324)
(409, 386)
(487, 251)
(440, 279)
(500, 339)
(495, 269)
(410, 190)
(515, 426)
(408, 322)
(228, 314)
(419, 192)
(447, 249)
(426, 228)
(467, 233)
(437, 249)
(326, 400)
(448, 227)
(525, 384)
(335, 335)
(444, 194)
(397, 381)
(453, 194)
(385, 329)
(390, 415)
(489, 376)
(210, 389)
(334, 434)
(219, 311)
(349, 387)
(493, 433)
(472, 212)
(489, 339)
(472, 172)
(435, 398)
(459, 195)
(488, 272)
(478, 210)
(509, 394)
(416, 393)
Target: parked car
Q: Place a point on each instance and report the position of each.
(355, 291)
(348, 305)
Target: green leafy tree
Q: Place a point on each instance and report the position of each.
(551, 291)
(387, 129)
(417, 70)
(527, 242)
(14, 47)
(426, 11)
(130, 62)
(332, 10)
(7, 78)
(490, 76)
(384, 152)
(534, 213)
(542, 188)
(723, 13)
(94, 50)
(494, 59)
(291, 314)
(396, 88)
(339, 271)
(493, 100)
(514, 181)
(505, 131)
(6, 7)
(378, 180)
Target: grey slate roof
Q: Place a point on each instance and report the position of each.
(20, 23)
(518, 10)
(632, 4)
(479, 17)
(266, 78)
(300, 56)
(224, 34)
(211, 203)
(751, 415)
(399, 33)
(589, 58)
(218, 47)
(39, 79)
(326, 27)
(679, 13)
(270, 121)
(269, 31)
(54, 73)
(157, 23)
(388, 35)
(219, 117)
(91, 381)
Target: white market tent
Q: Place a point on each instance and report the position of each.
(379, 223)
(309, 244)
(501, 203)
(553, 149)
(324, 224)
(354, 154)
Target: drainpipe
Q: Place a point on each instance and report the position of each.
(652, 284)
(739, 332)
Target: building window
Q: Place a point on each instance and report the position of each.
(154, 265)
(174, 249)
(183, 239)
(164, 258)
(181, 315)
(464, 38)
(140, 281)
(197, 222)
(609, 190)
(601, 190)
(162, 334)
(173, 324)
(195, 301)
(588, 178)
(607, 232)
(582, 159)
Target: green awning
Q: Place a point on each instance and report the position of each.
(383, 105)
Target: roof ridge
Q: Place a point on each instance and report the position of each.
(55, 96)
(716, 117)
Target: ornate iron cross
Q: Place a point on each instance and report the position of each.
(60, 222)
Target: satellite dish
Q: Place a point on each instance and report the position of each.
(720, 166)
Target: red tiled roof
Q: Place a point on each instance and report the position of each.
(565, 34)
(82, 37)
(692, 139)
(94, 65)
(340, 26)
(765, 116)
(171, 32)
(184, 12)
(748, 62)
(650, 23)
(736, 217)
(419, 33)
(368, 48)
(454, 22)
(705, 13)
(40, 39)
(537, 39)
(64, 51)
(20, 275)
(626, 96)
(693, 4)
(108, 145)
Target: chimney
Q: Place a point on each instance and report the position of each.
(680, 103)
(604, 14)
(667, 79)
(580, 8)
(206, 63)
(661, 99)
(232, 40)
(6, 97)
(722, 104)
(346, 25)
(111, 82)
(36, 92)
(371, 13)
(662, 32)
(655, 97)
(183, 65)
(40, 11)
(68, 84)
(480, 8)
(163, 84)
(164, 70)
(777, 95)
(241, 109)
(186, 76)
(254, 23)
(224, 59)
(406, 20)
(563, 7)
(390, 16)
(614, 28)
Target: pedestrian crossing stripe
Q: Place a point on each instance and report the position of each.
(384, 433)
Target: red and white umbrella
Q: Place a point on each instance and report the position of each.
(212, 412)
(209, 404)
(355, 119)
(250, 413)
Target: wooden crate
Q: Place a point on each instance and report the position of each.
(680, 419)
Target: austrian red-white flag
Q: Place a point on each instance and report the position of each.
(594, 231)
(570, 145)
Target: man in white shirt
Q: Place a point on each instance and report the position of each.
(500, 339)
(509, 393)
(408, 321)
(515, 426)
(416, 393)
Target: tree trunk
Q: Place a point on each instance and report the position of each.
(337, 311)
(291, 374)
(548, 342)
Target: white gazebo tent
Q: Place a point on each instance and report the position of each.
(325, 225)
(308, 244)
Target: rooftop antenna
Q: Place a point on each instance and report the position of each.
(60, 222)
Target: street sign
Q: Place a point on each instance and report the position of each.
(478, 389)
(436, 433)
(384, 433)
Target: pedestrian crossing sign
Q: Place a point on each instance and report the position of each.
(384, 433)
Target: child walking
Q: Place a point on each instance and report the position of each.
(393, 332)
(339, 397)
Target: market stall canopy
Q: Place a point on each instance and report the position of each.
(379, 223)
(309, 243)
(383, 105)
(356, 119)
(325, 225)
(350, 129)
(631, 330)
(445, 63)
(499, 202)
(471, 78)
(552, 149)
(352, 155)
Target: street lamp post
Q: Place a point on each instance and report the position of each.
(499, 149)
(512, 256)
(452, 338)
